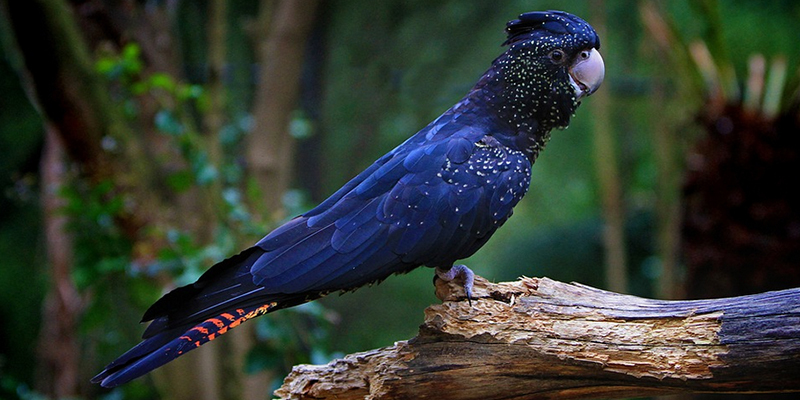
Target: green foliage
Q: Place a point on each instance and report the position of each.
(11, 389)
(297, 335)
(22, 281)
(123, 66)
(294, 336)
(100, 247)
(739, 28)
(22, 287)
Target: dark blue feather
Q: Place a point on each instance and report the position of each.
(347, 241)
(294, 280)
(384, 262)
(354, 220)
(459, 150)
(347, 188)
(289, 232)
(423, 223)
(418, 159)
(382, 179)
(465, 200)
(272, 264)
(352, 264)
(344, 207)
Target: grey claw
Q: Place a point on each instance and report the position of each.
(459, 271)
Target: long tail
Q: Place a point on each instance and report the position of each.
(186, 318)
(169, 345)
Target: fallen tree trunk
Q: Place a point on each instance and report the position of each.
(536, 338)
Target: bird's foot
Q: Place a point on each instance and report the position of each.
(458, 272)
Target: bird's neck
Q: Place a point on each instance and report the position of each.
(512, 119)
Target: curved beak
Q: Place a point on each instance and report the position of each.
(587, 73)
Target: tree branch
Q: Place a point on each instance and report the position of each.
(536, 338)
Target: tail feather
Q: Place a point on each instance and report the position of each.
(168, 345)
(219, 284)
(187, 317)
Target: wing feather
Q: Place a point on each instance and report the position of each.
(267, 269)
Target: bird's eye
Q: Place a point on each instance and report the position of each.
(557, 56)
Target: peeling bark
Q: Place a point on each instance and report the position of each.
(538, 339)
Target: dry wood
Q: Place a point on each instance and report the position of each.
(536, 338)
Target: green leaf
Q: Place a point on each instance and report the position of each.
(189, 92)
(131, 59)
(105, 65)
(162, 81)
(180, 181)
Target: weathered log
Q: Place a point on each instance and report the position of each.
(536, 338)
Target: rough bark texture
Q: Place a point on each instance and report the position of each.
(539, 339)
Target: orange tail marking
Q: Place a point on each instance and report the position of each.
(212, 328)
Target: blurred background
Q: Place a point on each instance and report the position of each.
(142, 141)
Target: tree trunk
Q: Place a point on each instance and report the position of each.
(608, 177)
(541, 339)
(280, 55)
(58, 350)
(666, 148)
(72, 97)
(280, 47)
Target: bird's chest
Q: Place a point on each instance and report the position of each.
(448, 203)
(481, 191)
(499, 173)
(495, 176)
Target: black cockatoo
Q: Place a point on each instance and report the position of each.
(434, 199)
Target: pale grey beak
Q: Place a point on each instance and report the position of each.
(587, 73)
